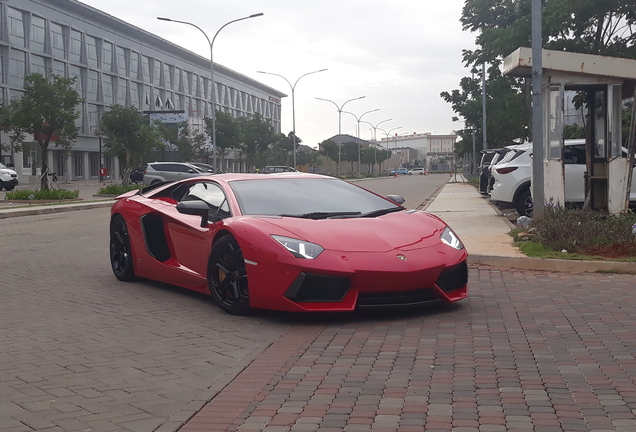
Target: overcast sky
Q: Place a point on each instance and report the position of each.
(399, 54)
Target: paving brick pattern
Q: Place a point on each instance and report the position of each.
(527, 351)
(81, 351)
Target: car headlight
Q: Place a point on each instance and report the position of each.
(299, 248)
(450, 238)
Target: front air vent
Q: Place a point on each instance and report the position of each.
(453, 278)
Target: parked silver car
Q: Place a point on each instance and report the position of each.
(170, 171)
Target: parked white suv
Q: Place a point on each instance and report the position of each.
(513, 175)
(8, 178)
(156, 172)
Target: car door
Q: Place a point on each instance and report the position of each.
(574, 167)
(191, 242)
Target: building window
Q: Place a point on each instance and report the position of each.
(91, 51)
(59, 68)
(76, 72)
(167, 76)
(93, 118)
(94, 165)
(1, 71)
(16, 28)
(38, 65)
(60, 163)
(147, 98)
(78, 166)
(145, 69)
(122, 85)
(75, 47)
(156, 75)
(177, 79)
(107, 56)
(57, 40)
(37, 34)
(122, 70)
(17, 68)
(134, 65)
(92, 88)
(186, 82)
(108, 89)
(134, 94)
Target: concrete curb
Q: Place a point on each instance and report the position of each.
(50, 209)
(553, 265)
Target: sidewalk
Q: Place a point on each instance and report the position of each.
(484, 231)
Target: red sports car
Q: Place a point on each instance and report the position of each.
(289, 241)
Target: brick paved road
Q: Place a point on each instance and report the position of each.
(80, 351)
(527, 352)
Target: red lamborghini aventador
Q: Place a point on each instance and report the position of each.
(289, 241)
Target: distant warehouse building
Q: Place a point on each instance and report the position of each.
(115, 63)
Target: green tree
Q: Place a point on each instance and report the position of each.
(228, 132)
(256, 136)
(129, 136)
(48, 111)
(9, 124)
(604, 27)
(330, 149)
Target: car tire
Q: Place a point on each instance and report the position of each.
(8, 188)
(524, 203)
(227, 277)
(121, 257)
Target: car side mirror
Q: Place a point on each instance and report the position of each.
(195, 208)
(396, 199)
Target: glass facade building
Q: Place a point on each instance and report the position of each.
(113, 63)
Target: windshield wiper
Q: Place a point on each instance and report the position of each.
(321, 215)
(381, 212)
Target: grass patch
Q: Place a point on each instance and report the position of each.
(578, 234)
(117, 189)
(46, 194)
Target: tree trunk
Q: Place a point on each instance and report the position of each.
(44, 167)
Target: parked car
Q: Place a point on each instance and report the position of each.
(137, 175)
(420, 171)
(208, 169)
(487, 158)
(8, 178)
(399, 171)
(277, 169)
(157, 172)
(255, 241)
(513, 177)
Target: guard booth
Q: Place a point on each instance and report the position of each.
(607, 81)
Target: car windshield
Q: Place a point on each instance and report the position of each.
(315, 198)
(2, 165)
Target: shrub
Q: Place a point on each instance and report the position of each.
(578, 230)
(46, 194)
(117, 189)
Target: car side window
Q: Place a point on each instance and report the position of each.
(574, 155)
(213, 196)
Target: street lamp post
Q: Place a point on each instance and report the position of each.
(375, 130)
(340, 120)
(358, 130)
(212, 86)
(293, 88)
(387, 144)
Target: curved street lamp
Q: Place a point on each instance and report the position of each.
(375, 130)
(293, 88)
(387, 143)
(358, 130)
(212, 85)
(340, 120)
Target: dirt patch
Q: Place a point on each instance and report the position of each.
(617, 251)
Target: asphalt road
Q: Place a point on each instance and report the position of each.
(415, 189)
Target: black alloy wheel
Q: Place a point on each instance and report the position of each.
(121, 258)
(524, 203)
(227, 277)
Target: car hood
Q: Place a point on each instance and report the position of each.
(404, 230)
